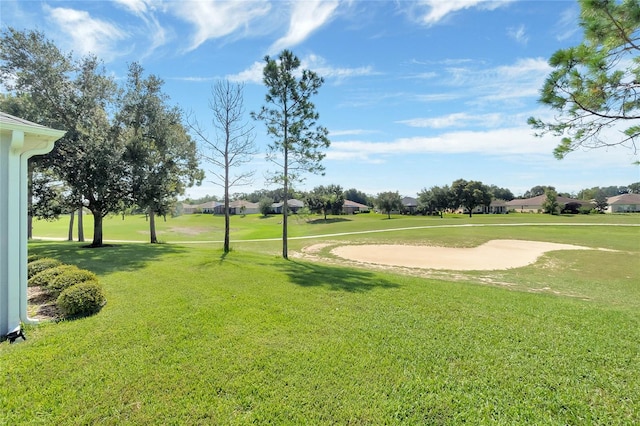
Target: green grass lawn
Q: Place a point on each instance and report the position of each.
(190, 336)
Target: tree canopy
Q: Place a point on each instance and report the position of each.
(161, 156)
(118, 149)
(326, 200)
(594, 87)
(470, 194)
(389, 201)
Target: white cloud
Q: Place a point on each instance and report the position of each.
(460, 119)
(135, 6)
(214, 19)
(153, 30)
(437, 10)
(319, 65)
(351, 132)
(519, 34)
(567, 25)
(523, 79)
(88, 35)
(254, 73)
(437, 97)
(496, 142)
(306, 17)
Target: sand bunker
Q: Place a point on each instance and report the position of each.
(496, 254)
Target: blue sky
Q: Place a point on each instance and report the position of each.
(416, 93)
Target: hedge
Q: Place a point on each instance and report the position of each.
(69, 278)
(44, 278)
(40, 265)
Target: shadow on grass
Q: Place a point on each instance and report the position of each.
(334, 278)
(329, 220)
(104, 260)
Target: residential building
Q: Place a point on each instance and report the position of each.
(351, 207)
(534, 205)
(624, 203)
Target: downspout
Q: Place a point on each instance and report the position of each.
(43, 148)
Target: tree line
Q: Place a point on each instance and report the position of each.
(329, 199)
(125, 145)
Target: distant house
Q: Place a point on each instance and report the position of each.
(534, 205)
(410, 205)
(199, 208)
(351, 207)
(208, 207)
(238, 207)
(293, 206)
(625, 203)
(496, 207)
(188, 208)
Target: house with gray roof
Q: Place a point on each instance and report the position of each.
(624, 203)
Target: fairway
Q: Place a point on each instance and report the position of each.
(192, 336)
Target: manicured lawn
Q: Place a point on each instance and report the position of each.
(204, 227)
(190, 336)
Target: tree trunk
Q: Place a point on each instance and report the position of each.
(97, 229)
(285, 204)
(71, 217)
(152, 226)
(227, 221)
(81, 226)
(285, 216)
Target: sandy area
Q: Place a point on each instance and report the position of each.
(495, 254)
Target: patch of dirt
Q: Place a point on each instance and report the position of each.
(40, 305)
(189, 230)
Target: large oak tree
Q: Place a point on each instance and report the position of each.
(162, 158)
(75, 95)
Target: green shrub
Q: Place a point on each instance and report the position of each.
(585, 210)
(46, 277)
(70, 278)
(82, 299)
(40, 265)
(33, 257)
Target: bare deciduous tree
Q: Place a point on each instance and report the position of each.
(232, 145)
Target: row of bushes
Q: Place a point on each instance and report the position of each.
(77, 292)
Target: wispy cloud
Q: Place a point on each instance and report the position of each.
(319, 65)
(253, 74)
(87, 34)
(215, 19)
(316, 63)
(352, 132)
(430, 12)
(459, 119)
(194, 79)
(519, 34)
(152, 30)
(521, 79)
(567, 25)
(497, 142)
(306, 17)
(135, 6)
